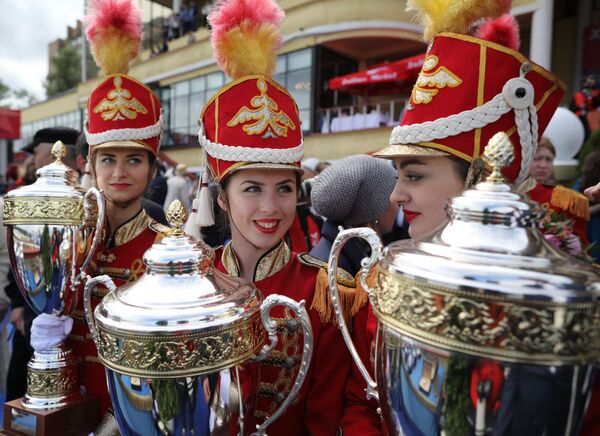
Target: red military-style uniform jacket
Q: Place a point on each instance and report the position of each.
(119, 257)
(564, 200)
(360, 416)
(317, 409)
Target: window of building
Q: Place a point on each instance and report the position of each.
(182, 103)
(294, 71)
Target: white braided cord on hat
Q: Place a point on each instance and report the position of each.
(525, 119)
(128, 134)
(250, 154)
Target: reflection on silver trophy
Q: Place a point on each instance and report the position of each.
(484, 328)
(180, 344)
(53, 228)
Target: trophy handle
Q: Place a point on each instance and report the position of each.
(99, 223)
(87, 300)
(367, 263)
(271, 327)
(92, 192)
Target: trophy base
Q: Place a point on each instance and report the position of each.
(78, 418)
(52, 379)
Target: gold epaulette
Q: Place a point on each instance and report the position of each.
(343, 277)
(571, 201)
(352, 297)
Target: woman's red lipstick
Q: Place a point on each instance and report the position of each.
(267, 226)
(410, 215)
(119, 186)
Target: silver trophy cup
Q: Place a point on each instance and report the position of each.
(180, 344)
(53, 228)
(484, 328)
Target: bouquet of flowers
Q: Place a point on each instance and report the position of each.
(558, 231)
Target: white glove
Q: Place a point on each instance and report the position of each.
(49, 330)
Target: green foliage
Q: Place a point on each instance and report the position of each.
(15, 98)
(165, 394)
(4, 90)
(457, 402)
(592, 144)
(67, 73)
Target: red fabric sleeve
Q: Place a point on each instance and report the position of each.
(591, 424)
(360, 415)
(331, 367)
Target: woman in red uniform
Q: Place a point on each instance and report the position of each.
(252, 135)
(123, 131)
(436, 160)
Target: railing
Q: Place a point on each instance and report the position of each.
(359, 117)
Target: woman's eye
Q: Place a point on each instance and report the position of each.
(413, 177)
(285, 188)
(135, 161)
(252, 189)
(107, 160)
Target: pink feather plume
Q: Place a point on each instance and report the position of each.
(114, 30)
(503, 30)
(245, 36)
(124, 15)
(231, 13)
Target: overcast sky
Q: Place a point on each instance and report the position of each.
(26, 28)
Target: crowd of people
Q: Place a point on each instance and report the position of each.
(277, 213)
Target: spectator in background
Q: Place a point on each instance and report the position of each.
(178, 188)
(353, 192)
(157, 189)
(44, 139)
(590, 177)
(174, 27)
(586, 100)
(542, 167)
(309, 166)
(557, 198)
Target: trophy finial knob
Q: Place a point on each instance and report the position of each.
(59, 151)
(499, 153)
(176, 216)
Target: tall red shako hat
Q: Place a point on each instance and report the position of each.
(122, 112)
(252, 122)
(471, 87)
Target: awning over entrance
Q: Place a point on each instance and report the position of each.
(10, 124)
(389, 78)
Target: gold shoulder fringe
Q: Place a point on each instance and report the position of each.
(571, 201)
(343, 276)
(352, 299)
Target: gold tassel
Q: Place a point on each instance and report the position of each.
(571, 201)
(350, 299)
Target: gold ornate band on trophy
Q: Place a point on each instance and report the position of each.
(545, 333)
(51, 383)
(180, 356)
(43, 210)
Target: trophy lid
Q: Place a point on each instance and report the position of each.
(489, 284)
(52, 199)
(181, 317)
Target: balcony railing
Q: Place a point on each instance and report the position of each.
(359, 117)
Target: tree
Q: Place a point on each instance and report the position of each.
(67, 66)
(15, 99)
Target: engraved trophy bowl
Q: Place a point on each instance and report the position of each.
(483, 328)
(179, 344)
(53, 228)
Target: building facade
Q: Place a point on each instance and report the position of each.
(323, 39)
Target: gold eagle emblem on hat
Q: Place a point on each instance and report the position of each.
(268, 120)
(119, 104)
(429, 83)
